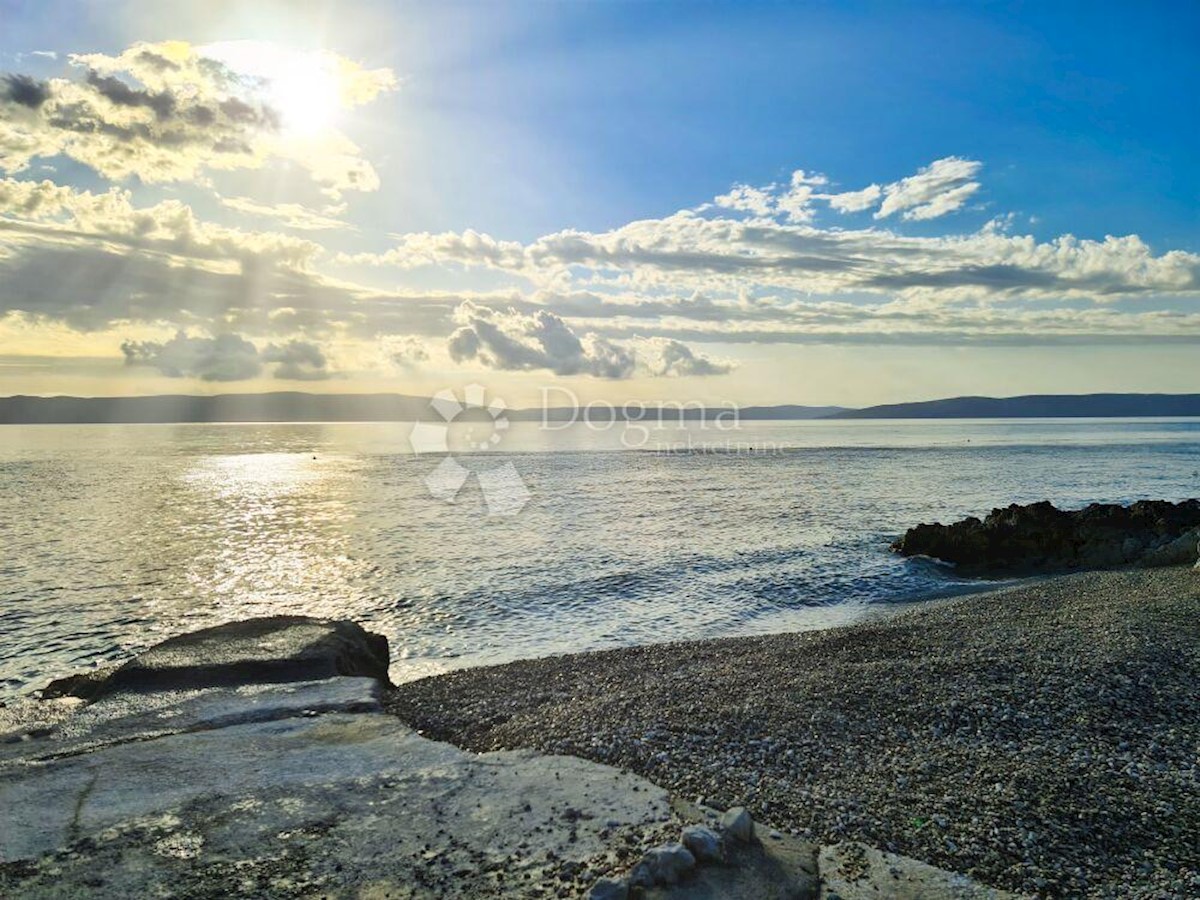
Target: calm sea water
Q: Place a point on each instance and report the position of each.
(115, 537)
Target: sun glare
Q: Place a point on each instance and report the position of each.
(302, 86)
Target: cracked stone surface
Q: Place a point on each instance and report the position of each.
(322, 801)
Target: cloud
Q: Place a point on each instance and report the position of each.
(169, 112)
(796, 203)
(743, 198)
(405, 351)
(856, 201)
(171, 226)
(297, 361)
(939, 188)
(793, 202)
(514, 341)
(686, 252)
(22, 90)
(226, 357)
(759, 266)
(670, 358)
(292, 215)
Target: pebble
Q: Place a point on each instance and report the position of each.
(1034, 688)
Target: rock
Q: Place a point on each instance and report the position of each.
(121, 718)
(1178, 552)
(703, 842)
(779, 870)
(269, 650)
(609, 889)
(667, 864)
(738, 825)
(340, 804)
(1041, 538)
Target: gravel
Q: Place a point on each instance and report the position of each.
(1043, 739)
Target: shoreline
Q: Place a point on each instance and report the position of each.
(1039, 737)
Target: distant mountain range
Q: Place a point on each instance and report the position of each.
(301, 407)
(1036, 406)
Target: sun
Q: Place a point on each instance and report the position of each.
(306, 99)
(302, 86)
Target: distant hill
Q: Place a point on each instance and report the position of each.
(1035, 406)
(274, 407)
(294, 406)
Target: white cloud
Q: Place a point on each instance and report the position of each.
(686, 252)
(744, 198)
(169, 112)
(856, 201)
(643, 299)
(796, 203)
(293, 215)
(666, 357)
(941, 187)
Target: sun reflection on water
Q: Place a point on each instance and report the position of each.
(273, 536)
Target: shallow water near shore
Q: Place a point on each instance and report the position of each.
(116, 537)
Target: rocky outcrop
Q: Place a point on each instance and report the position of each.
(1040, 538)
(270, 650)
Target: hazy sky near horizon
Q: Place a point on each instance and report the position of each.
(761, 203)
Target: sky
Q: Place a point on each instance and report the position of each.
(815, 203)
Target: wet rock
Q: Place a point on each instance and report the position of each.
(1041, 538)
(738, 825)
(269, 650)
(703, 842)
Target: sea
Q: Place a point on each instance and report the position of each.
(471, 544)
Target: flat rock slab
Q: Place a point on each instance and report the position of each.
(854, 871)
(338, 804)
(255, 651)
(121, 718)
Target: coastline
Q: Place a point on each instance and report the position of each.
(1040, 737)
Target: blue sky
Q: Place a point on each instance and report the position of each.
(533, 123)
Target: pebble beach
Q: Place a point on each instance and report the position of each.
(1044, 738)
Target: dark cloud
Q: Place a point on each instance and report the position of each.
(93, 287)
(513, 341)
(118, 92)
(297, 361)
(25, 91)
(156, 61)
(226, 357)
